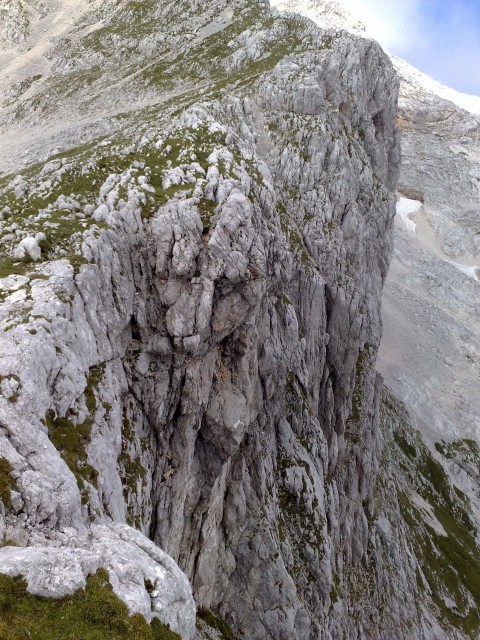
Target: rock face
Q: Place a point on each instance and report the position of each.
(429, 305)
(429, 351)
(193, 356)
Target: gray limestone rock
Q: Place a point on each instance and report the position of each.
(192, 360)
(142, 575)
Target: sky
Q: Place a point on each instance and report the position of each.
(439, 37)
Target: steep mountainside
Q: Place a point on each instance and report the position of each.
(191, 267)
(432, 296)
(429, 354)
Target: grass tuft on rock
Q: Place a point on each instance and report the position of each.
(72, 439)
(214, 622)
(95, 613)
(7, 483)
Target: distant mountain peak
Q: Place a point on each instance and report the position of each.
(327, 13)
(333, 15)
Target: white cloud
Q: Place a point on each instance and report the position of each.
(444, 44)
(394, 24)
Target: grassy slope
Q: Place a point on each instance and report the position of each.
(448, 572)
(95, 613)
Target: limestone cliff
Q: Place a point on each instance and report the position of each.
(190, 309)
(429, 350)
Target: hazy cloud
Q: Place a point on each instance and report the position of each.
(440, 37)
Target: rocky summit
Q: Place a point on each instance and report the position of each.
(197, 206)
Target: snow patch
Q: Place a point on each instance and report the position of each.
(405, 208)
(472, 272)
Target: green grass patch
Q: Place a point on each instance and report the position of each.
(72, 439)
(299, 523)
(294, 238)
(354, 422)
(12, 267)
(7, 483)
(13, 376)
(214, 622)
(465, 450)
(408, 449)
(132, 471)
(450, 563)
(95, 613)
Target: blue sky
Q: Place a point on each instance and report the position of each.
(439, 37)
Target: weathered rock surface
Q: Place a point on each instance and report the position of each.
(429, 351)
(194, 353)
(145, 577)
(429, 355)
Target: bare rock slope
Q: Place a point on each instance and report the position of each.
(431, 350)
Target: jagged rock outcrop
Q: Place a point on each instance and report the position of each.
(430, 307)
(193, 354)
(142, 575)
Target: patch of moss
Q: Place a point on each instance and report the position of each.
(295, 239)
(336, 592)
(327, 42)
(13, 376)
(436, 480)
(208, 55)
(214, 622)
(63, 232)
(328, 228)
(299, 522)
(296, 400)
(72, 439)
(95, 376)
(207, 211)
(465, 450)
(7, 483)
(13, 267)
(450, 564)
(408, 449)
(8, 543)
(95, 613)
(84, 169)
(361, 582)
(22, 87)
(149, 586)
(353, 426)
(76, 260)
